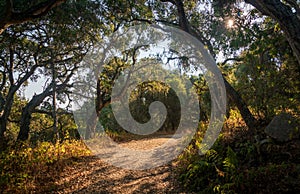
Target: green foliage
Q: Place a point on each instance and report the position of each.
(156, 91)
(230, 162)
(140, 101)
(205, 173)
(108, 120)
(201, 87)
(42, 128)
(267, 76)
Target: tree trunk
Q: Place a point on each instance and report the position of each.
(6, 112)
(288, 21)
(25, 124)
(3, 123)
(27, 112)
(100, 103)
(235, 97)
(2, 130)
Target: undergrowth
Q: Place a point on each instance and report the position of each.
(241, 165)
(23, 168)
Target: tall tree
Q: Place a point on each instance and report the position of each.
(66, 53)
(18, 64)
(185, 25)
(28, 50)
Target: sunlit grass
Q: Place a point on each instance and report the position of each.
(22, 168)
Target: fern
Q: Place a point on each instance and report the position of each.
(231, 161)
(212, 156)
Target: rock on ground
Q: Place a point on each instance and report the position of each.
(283, 128)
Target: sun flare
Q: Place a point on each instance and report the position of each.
(230, 23)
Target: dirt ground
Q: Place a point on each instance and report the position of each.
(93, 175)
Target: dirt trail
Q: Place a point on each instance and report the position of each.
(92, 175)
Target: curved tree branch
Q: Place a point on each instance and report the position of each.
(288, 20)
(16, 17)
(231, 92)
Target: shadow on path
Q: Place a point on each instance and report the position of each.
(93, 175)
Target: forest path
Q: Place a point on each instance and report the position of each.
(93, 175)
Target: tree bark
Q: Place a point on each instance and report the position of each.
(7, 109)
(5, 115)
(288, 20)
(27, 112)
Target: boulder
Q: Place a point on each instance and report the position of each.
(283, 128)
